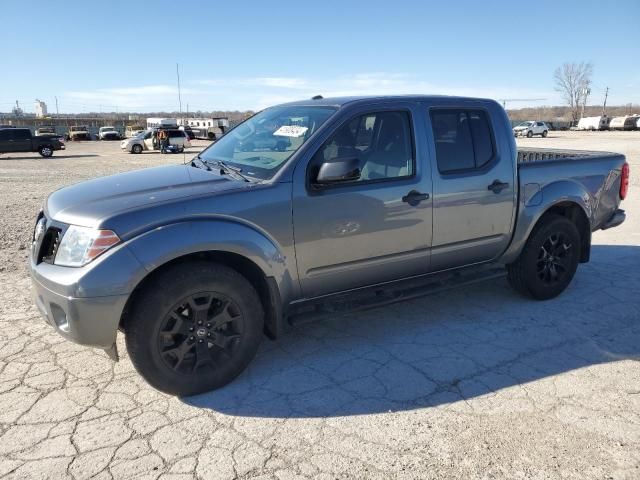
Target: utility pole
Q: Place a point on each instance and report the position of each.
(585, 93)
(57, 112)
(179, 93)
(604, 105)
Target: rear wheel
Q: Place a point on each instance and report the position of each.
(194, 328)
(46, 151)
(549, 260)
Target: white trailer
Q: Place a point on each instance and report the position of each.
(161, 122)
(210, 128)
(628, 122)
(594, 123)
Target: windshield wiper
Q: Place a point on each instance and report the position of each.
(229, 170)
(201, 163)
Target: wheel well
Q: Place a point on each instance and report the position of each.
(576, 214)
(265, 286)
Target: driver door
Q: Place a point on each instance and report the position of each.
(368, 230)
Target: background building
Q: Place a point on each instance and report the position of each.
(41, 108)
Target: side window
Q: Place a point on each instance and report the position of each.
(5, 134)
(463, 139)
(21, 134)
(382, 143)
(540, 124)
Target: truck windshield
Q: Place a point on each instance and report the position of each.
(262, 144)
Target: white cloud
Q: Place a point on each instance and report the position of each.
(262, 91)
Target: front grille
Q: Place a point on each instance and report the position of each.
(49, 245)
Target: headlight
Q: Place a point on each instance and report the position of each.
(80, 245)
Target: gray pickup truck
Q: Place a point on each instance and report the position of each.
(373, 200)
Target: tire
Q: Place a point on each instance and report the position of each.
(46, 151)
(548, 261)
(544, 134)
(529, 134)
(136, 149)
(176, 352)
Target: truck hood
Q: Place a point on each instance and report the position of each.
(92, 202)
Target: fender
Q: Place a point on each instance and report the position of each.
(163, 244)
(533, 206)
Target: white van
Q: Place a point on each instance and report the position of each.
(146, 141)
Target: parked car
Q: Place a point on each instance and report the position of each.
(21, 140)
(45, 130)
(148, 141)
(531, 128)
(108, 133)
(188, 130)
(7, 126)
(378, 199)
(79, 132)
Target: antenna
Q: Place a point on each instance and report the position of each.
(179, 92)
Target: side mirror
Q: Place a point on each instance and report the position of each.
(339, 170)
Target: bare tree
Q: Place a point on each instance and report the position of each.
(573, 81)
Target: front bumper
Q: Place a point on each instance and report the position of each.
(83, 304)
(87, 321)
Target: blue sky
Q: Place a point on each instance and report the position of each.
(247, 55)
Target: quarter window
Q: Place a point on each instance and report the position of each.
(463, 139)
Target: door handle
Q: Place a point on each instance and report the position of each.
(497, 186)
(414, 197)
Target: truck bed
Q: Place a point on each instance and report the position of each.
(529, 155)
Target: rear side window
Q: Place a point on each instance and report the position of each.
(5, 134)
(463, 139)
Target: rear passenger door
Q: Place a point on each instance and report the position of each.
(474, 194)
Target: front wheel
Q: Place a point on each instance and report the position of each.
(136, 149)
(549, 259)
(46, 151)
(529, 134)
(545, 133)
(194, 328)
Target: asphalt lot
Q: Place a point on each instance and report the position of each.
(471, 383)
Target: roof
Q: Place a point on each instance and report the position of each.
(341, 101)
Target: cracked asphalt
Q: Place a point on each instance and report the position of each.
(471, 383)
